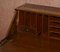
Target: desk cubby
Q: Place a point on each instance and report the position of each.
(54, 27)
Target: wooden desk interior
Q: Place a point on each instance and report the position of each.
(40, 19)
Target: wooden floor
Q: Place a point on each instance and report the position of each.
(29, 42)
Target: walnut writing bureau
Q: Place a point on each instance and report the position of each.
(40, 19)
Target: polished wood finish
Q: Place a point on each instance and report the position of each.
(30, 21)
(54, 27)
(33, 20)
(43, 21)
(29, 42)
(40, 19)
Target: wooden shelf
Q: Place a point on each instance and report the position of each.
(54, 32)
(52, 29)
(49, 26)
(54, 18)
(55, 38)
(53, 21)
(54, 35)
(54, 24)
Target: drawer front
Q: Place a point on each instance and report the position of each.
(54, 19)
(54, 27)
(54, 24)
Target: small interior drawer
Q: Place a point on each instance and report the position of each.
(54, 29)
(54, 24)
(57, 19)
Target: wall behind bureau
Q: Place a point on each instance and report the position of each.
(54, 3)
(6, 14)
